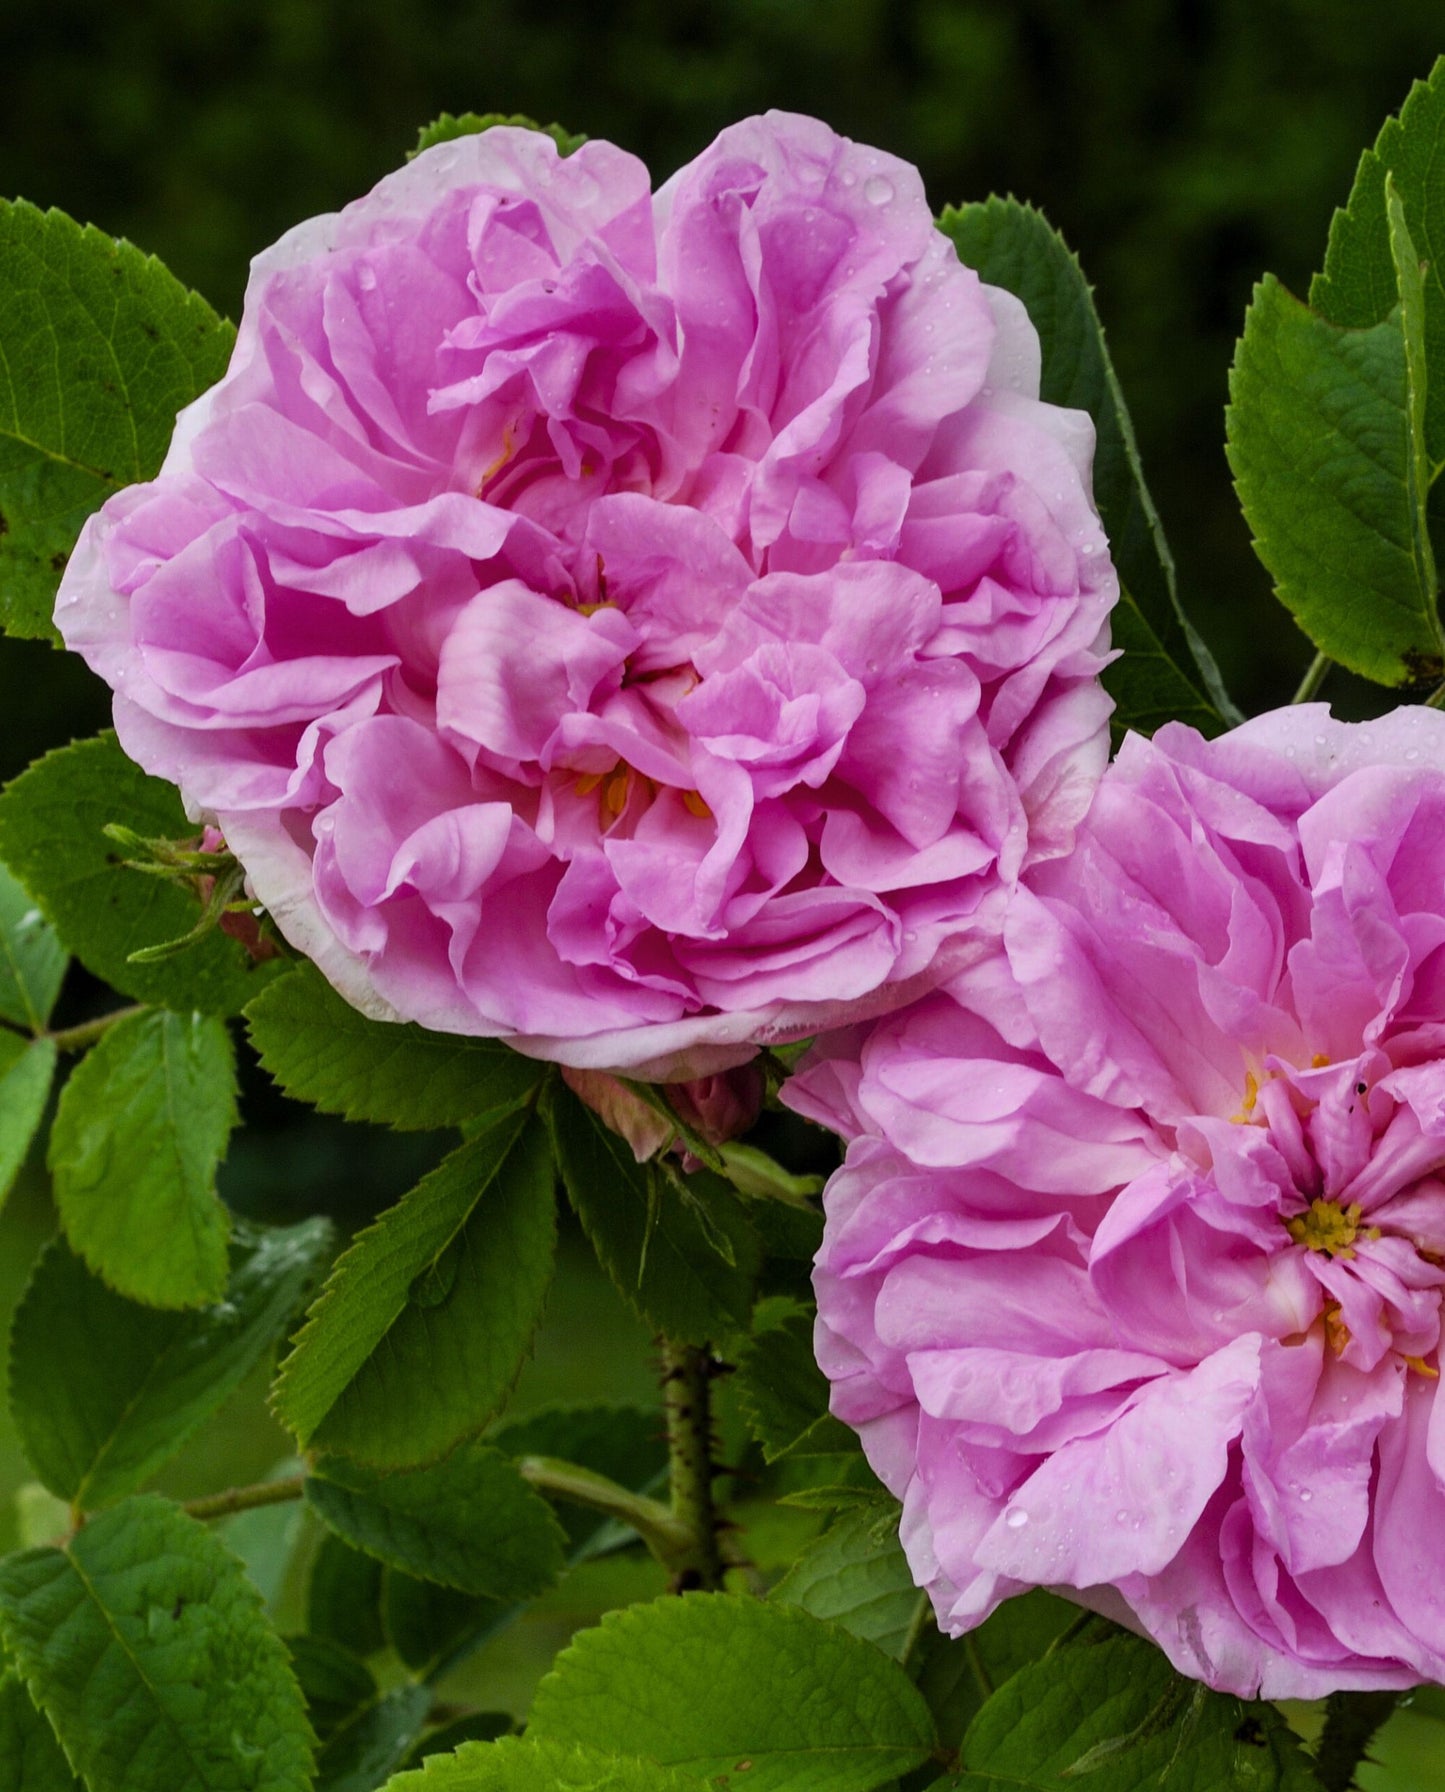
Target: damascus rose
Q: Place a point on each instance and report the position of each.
(1132, 1277)
(632, 625)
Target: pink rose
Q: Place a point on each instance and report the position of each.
(1132, 1279)
(631, 625)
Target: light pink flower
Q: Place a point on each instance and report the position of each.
(1132, 1278)
(630, 625)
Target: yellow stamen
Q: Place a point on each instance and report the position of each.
(1326, 1226)
(695, 804)
(509, 448)
(614, 797)
(1337, 1333)
(587, 782)
(1251, 1095)
(1319, 1061)
(1421, 1367)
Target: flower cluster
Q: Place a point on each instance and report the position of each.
(1132, 1279)
(640, 626)
(633, 625)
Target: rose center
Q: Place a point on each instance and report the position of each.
(1326, 1226)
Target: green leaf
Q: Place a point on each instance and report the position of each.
(1167, 672)
(111, 1635)
(1327, 445)
(99, 348)
(30, 1757)
(51, 819)
(335, 1683)
(421, 1330)
(784, 1393)
(104, 1391)
(467, 124)
(711, 1679)
(856, 1575)
(476, 1726)
(469, 1522)
(426, 1624)
(625, 1443)
(522, 1764)
(373, 1742)
(1116, 1717)
(32, 960)
(655, 1236)
(1359, 286)
(27, 1069)
(138, 1137)
(1146, 682)
(320, 1049)
(956, 1674)
(343, 1597)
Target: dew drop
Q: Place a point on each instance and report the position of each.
(366, 278)
(1015, 1518)
(1121, 1516)
(877, 190)
(1305, 1493)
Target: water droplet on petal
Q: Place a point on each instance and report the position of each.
(1015, 1518)
(366, 278)
(877, 190)
(1305, 1493)
(1121, 1516)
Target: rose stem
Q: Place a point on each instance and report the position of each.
(687, 1399)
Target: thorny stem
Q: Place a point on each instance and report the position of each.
(687, 1400)
(1351, 1719)
(246, 1499)
(1309, 685)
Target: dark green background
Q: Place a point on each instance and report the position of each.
(1182, 148)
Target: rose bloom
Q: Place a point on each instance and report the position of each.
(1131, 1281)
(630, 625)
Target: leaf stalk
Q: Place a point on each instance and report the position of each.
(82, 1037)
(246, 1499)
(1309, 685)
(669, 1540)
